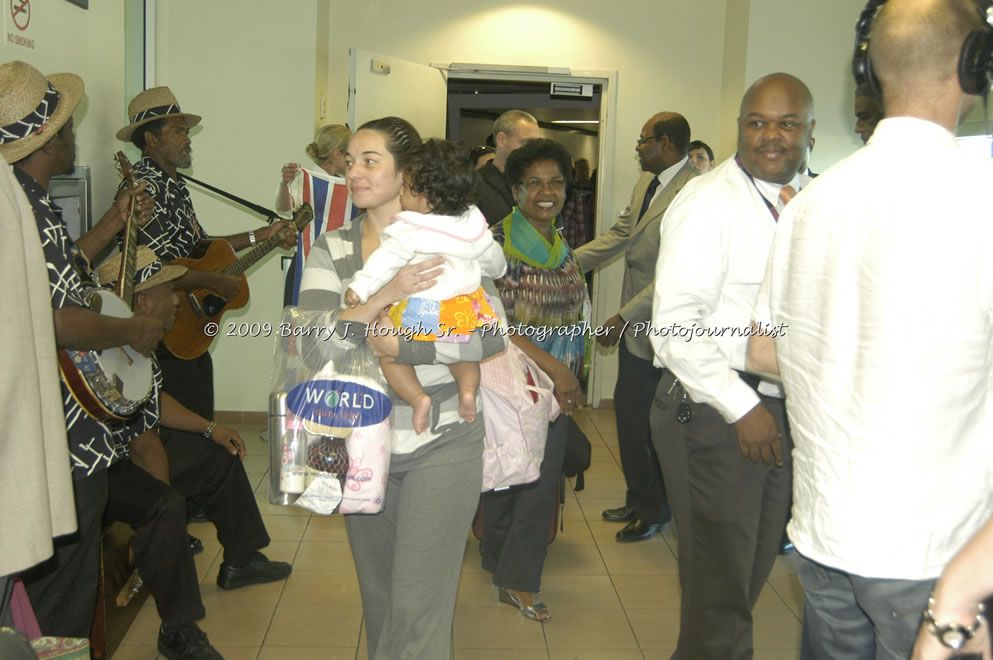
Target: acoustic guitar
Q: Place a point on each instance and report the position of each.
(113, 384)
(198, 307)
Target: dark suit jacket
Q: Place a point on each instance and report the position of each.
(494, 197)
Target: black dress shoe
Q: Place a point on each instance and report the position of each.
(620, 514)
(639, 530)
(196, 545)
(187, 643)
(256, 571)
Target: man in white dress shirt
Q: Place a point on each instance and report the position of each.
(719, 432)
(888, 359)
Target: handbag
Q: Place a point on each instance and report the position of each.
(518, 404)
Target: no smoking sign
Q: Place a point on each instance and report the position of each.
(18, 19)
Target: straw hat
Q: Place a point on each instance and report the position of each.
(33, 108)
(149, 271)
(152, 104)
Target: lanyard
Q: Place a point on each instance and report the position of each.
(769, 205)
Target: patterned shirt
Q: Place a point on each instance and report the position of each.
(173, 230)
(92, 444)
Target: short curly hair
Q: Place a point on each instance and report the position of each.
(537, 151)
(442, 172)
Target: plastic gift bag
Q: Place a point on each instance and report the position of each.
(329, 419)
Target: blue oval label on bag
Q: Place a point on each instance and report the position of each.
(338, 403)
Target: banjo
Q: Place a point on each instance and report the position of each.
(113, 384)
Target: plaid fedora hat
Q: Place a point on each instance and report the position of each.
(33, 108)
(149, 270)
(152, 104)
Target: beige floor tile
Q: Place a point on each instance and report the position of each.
(655, 628)
(476, 590)
(604, 533)
(644, 591)
(145, 627)
(600, 452)
(659, 654)
(593, 507)
(500, 654)
(613, 654)
(603, 468)
(776, 629)
(790, 590)
(602, 489)
(312, 626)
(257, 479)
(651, 557)
(770, 599)
(324, 556)
(285, 528)
(574, 559)
(208, 561)
(496, 628)
(573, 511)
(579, 591)
(777, 654)
(589, 629)
(322, 589)
(326, 528)
(236, 652)
(135, 652)
(239, 617)
(301, 653)
(574, 532)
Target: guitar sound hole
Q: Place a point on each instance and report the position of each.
(212, 305)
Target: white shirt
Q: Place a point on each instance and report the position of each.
(465, 242)
(883, 271)
(716, 237)
(666, 176)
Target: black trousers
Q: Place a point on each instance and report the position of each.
(63, 589)
(207, 474)
(637, 380)
(516, 521)
(157, 513)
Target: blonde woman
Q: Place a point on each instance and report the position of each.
(327, 151)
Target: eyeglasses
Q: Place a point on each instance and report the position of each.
(645, 140)
(534, 185)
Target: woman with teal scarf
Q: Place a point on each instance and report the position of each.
(544, 294)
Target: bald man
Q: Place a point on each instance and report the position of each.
(720, 432)
(510, 130)
(888, 358)
(662, 148)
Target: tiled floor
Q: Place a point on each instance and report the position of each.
(609, 601)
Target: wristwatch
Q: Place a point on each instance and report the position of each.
(952, 635)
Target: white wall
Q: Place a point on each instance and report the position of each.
(250, 73)
(89, 43)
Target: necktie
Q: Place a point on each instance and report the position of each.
(785, 195)
(649, 194)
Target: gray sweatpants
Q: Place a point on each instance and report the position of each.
(409, 556)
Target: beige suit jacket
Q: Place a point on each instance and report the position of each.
(639, 241)
(35, 474)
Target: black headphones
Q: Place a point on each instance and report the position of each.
(975, 61)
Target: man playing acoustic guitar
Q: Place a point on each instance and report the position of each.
(160, 129)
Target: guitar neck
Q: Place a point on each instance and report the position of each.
(255, 254)
(125, 280)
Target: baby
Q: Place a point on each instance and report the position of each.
(438, 219)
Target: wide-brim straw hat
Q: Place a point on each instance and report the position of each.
(33, 108)
(152, 104)
(149, 270)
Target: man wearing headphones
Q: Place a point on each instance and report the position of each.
(887, 358)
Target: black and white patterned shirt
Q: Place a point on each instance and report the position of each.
(92, 444)
(173, 230)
